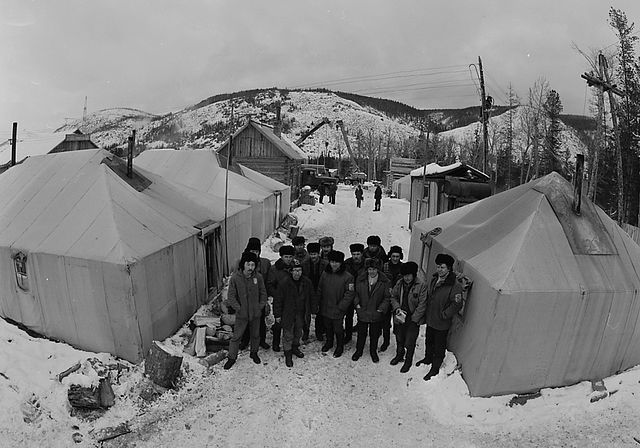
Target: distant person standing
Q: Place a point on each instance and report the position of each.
(321, 192)
(359, 196)
(247, 296)
(333, 188)
(377, 195)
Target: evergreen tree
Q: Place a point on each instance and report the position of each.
(550, 159)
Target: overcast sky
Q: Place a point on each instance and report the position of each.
(160, 55)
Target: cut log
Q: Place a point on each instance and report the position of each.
(201, 346)
(111, 432)
(213, 358)
(190, 348)
(162, 367)
(85, 397)
(69, 371)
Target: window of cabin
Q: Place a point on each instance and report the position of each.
(20, 265)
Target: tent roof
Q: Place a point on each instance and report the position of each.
(199, 169)
(527, 234)
(261, 179)
(79, 204)
(455, 169)
(31, 144)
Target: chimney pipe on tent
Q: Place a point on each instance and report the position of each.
(132, 143)
(14, 136)
(577, 183)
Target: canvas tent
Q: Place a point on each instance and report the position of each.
(199, 169)
(402, 187)
(103, 261)
(555, 294)
(282, 191)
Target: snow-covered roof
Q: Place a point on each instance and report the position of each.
(30, 144)
(282, 142)
(433, 169)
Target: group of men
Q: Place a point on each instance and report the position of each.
(329, 190)
(375, 286)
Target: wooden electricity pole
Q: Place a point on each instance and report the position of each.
(14, 138)
(484, 112)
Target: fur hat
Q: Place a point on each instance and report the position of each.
(247, 256)
(253, 244)
(373, 239)
(326, 241)
(356, 247)
(297, 240)
(396, 250)
(286, 250)
(313, 248)
(372, 263)
(336, 255)
(410, 267)
(445, 259)
(295, 263)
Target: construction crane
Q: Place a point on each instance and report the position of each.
(308, 133)
(354, 166)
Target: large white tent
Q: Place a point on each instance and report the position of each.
(104, 261)
(555, 294)
(199, 169)
(280, 189)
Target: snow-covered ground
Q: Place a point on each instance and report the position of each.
(321, 401)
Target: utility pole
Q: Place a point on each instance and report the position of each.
(606, 86)
(132, 144)
(14, 137)
(84, 111)
(483, 110)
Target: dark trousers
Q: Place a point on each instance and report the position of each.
(358, 202)
(435, 347)
(319, 323)
(334, 327)
(321, 198)
(406, 337)
(238, 330)
(377, 205)
(333, 199)
(373, 328)
(348, 322)
(386, 327)
(276, 329)
(263, 331)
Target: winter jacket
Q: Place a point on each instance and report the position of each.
(279, 273)
(392, 271)
(442, 304)
(372, 303)
(357, 270)
(293, 298)
(380, 254)
(378, 193)
(247, 296)
(263, 268)
(359, 193)
(413, 297)
(302, 257)
(336, 291)
(313, 271)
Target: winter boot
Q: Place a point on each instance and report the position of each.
(255, 357)
(426, 361)
(384, 346)
(327, 346)
(230, 362)
(277, 332)
(287, 358)
(356, 355)
(296, 351)
(374, 355)
(339, 348)
(406, 366)
(398, 358)
(435, 368)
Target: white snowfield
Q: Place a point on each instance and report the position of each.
(321, 401)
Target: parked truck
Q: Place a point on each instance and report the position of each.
(315, 175)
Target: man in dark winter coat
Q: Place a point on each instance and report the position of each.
(326, 246)
(280, 271)
(321, 192)
(291, 308)
(374, 249)
(409, 303)
(371, 302)
(264, 266)
(392, 271)
(247, 296)
(333, 188)
(336, 290)
(445, 300)
(313, 268)
(354, 266)
(301, 253)
(377, 195)
(359, 196)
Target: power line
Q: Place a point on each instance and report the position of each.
(412, 89)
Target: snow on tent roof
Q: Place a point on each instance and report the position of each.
(261, 179)
(30, 144)
(199, 169)
(434, 168)
(73, 204)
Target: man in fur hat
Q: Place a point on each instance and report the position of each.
(248, 296)
(409, 303)
(392, 270)
(374, 249)
(301, 253)
(313, 268)
(280, 271)
(371, 301)
(445, 300)
(326, 246)
(336, 290)
(355, 267)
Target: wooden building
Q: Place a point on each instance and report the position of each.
(264, 149)
(437, 189)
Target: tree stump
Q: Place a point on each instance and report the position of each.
(85, 397)
(162, 367)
